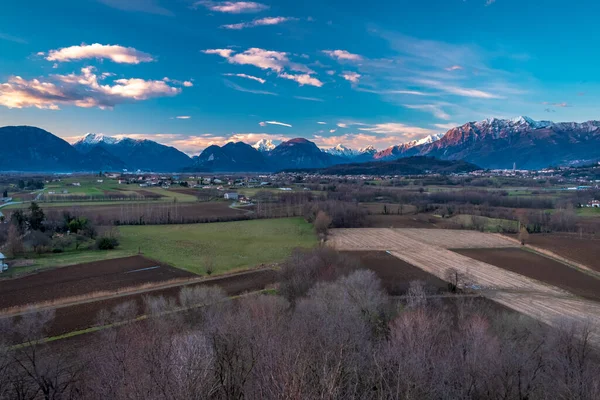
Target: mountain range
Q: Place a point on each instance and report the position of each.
(491, 143)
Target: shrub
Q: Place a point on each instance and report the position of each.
(107, 243)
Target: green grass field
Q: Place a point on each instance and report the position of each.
(230, 245)
(491, 224)
(588, 212)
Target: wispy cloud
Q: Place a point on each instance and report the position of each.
(393, 128)
(118, 54)
(254, 78)
(10, 38)
(489, 2)
(308, 98)
(268, 21)
(561, 105)
(457, 90)
(145, 6)
(302, 79)
(322, 123)
(447, 126)
(351, 76)
(454, 68)
(342, 125)
(343, 55)
(183, 117)
(434, 109)
(80, 90)
(233, 7)
(265, 123)
(239, 88)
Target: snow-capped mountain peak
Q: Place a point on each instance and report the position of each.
(95, 138)
(522, 122)
(426, 140)
(370, 149)
(342, 151)
(264, 145)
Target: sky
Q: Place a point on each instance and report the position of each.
(191, 73)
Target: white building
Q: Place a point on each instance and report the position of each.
(231, 196)
(3, 266)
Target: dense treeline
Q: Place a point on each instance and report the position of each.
(337, 337)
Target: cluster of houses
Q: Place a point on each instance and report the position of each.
(594, 204)
(240, 198)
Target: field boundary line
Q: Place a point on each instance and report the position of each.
(563, 260)
(31, 308)
(142, 317)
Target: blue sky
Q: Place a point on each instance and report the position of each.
(194, 73)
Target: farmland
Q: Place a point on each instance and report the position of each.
(539, 268)
(396, 274)
(83, 279)
(429, 250)
(227, 245)
(84, 314)
(582, 250)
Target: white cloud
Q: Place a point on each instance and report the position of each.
(308, 98)
(183, 117)
(225, 53)
(343, 55)
(322, 123)
(303, 79)
(489, 2)
(342, 125)
(351, 76)
(239, 88)
(332, 130)
(265, 123)
(188, 84)
(434, 109)
(562, 105)
(233, 7)
(454, 68)
(146, 6)
(259, 22)
(81, 90)
(456, 90)
(118, 54)
(447, 126)
(398, 129)
(254, 78)
(263, 59)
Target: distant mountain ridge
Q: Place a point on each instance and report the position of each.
(27, 148)
(491, 143)
(136, 154)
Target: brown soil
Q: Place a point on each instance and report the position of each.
(83, 316)
(585, 251)
(82, 279)
(396, 274)
(540, 268)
